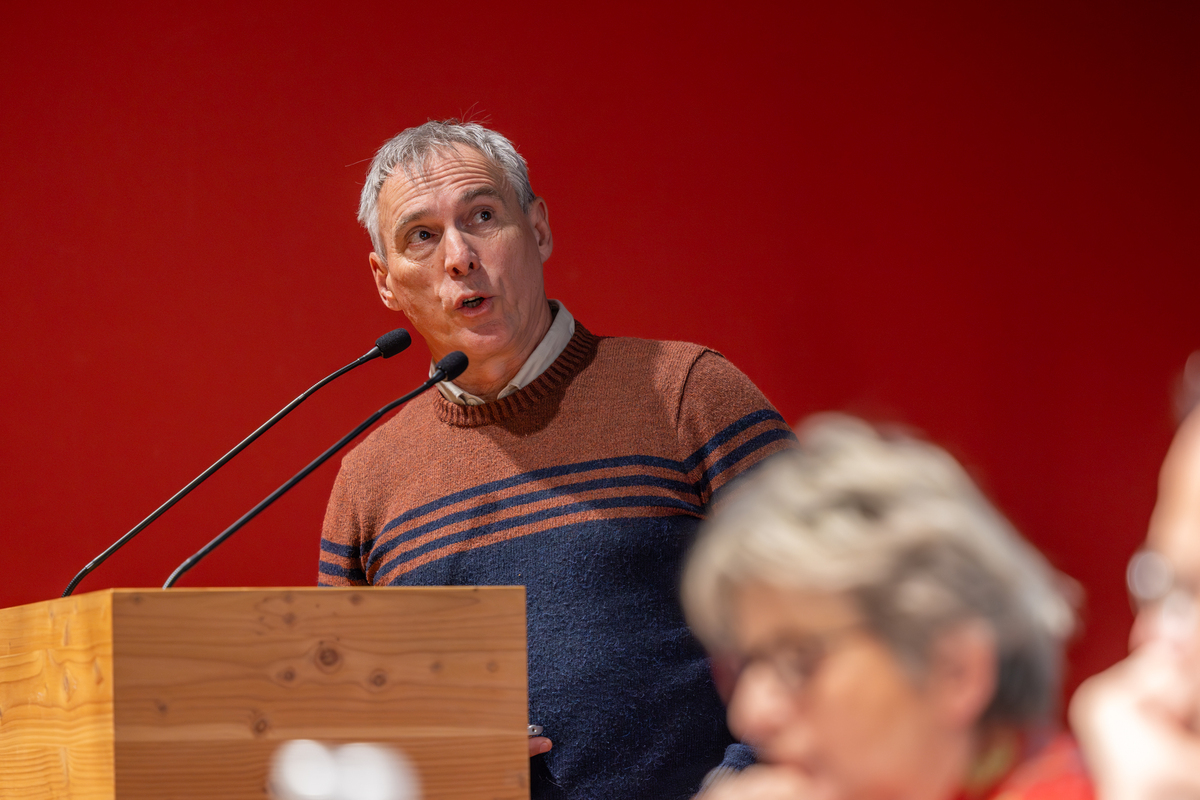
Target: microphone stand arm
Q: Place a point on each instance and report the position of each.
(299, 476)
(203, 476)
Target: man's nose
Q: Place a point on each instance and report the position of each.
(760, 706)
(460, 256)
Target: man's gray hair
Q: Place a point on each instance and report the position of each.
(410, 150)
(897, 526)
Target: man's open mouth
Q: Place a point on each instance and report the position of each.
(474, 301)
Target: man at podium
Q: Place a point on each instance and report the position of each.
(575, 464)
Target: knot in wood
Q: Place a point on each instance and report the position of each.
(378, 679)
(287, 675)
(356, 599)
(260, 726)
(328, 658)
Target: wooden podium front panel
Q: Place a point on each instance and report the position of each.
(187, 693)
(56, 711)
(210, 682)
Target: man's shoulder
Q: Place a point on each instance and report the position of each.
(717, 420)
(666, 356)
(667, 363)
(649, 348)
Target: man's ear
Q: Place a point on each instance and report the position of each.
(962, 672)
(539, 218)
(380, 272)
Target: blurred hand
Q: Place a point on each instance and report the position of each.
(1139, 726)
(764, 782)
(539, 745)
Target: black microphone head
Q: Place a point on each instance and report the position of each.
(453, 365)
(393, 342)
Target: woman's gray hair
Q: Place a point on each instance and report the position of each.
(409, 150)
(896, 525)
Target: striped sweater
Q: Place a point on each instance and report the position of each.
(587, 487)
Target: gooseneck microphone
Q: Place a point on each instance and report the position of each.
(447, 369)
(388, 345)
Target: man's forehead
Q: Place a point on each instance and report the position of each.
(457, 170)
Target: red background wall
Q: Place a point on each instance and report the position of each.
(979, 219)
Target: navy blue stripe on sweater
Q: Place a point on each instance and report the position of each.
(354, 575)
(684, 467)
(334, 548)
(380, 554)
(496, 506)
(599, 503)
(730, 431)
(740, 452)
(529, 477)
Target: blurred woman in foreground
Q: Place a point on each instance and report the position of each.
(895, 637)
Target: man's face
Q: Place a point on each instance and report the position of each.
(464, 262)
(1175, 535)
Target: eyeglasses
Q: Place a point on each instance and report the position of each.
(796, 662)
(1154, 587)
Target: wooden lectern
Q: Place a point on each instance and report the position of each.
(186, 693)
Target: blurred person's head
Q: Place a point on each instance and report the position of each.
(1138, 722)
(1164, 577)
(887, 620)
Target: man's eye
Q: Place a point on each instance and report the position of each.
(485, 215)
(420, 236)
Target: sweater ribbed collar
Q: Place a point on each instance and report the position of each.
(573, 358)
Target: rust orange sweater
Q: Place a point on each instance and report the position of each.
(587, 487)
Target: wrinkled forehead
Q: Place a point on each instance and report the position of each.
(1175, 524)
(444, 166)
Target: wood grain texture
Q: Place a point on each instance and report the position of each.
(205, 684)
(218, 678)
(56, 710)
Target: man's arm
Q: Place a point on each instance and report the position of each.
(341, 559)
(726, 425)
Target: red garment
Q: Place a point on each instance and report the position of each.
(1053, 772)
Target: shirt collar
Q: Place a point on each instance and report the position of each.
(549, 349)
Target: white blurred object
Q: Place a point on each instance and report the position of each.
(372, 772)
(306, 770)
(303, 770)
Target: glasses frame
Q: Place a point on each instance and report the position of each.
(795, 663)
(1154, 588)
